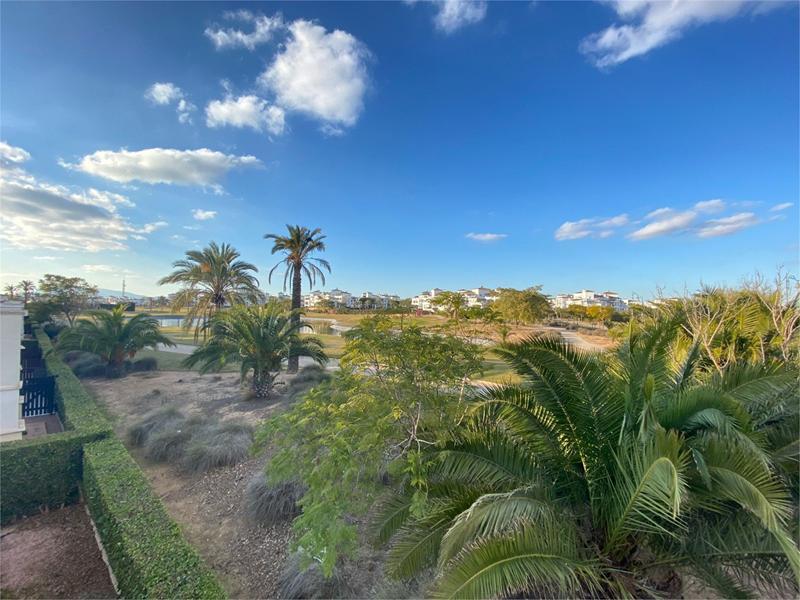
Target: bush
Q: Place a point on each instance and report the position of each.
(85, 364)
(307, 378)
(149, 363)
(269, 504)
(52, 329)
(152, 422)
(168, 443)
(396, 589)
(219, 445)
(298, 582)
(147, 552)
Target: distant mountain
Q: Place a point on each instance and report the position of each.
(118, 294)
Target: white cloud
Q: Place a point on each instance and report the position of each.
(782, 206)
(166, 93)
(595, 227)
(727, 225)
(98, 268)
(263, 30)
(203, 215)
(38, 214)
(45, 258)
(163, 93)
(487, 237)
(151, 227)
(452, 15)
(246, 111)
(710, 206)
(202, 167)
(653, 23)
(664, 221)
(322, 74)
(12, 154)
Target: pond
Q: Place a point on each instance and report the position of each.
(320, 327)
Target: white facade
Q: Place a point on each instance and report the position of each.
(12, 425)
(589, 298)
(340, 298)
(479, 296)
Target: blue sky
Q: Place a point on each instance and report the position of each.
(624, 146)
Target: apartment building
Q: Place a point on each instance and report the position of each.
(590, 298)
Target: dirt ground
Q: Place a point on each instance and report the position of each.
(53, 555)
(248, 559)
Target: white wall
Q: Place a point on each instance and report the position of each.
(11, 318)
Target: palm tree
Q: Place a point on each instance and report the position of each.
(260, 338)
(27, 288)
(113, 336)
(212, 278)
(609, 476)
(297, 248)
(11, 290)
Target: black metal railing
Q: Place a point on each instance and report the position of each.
(38, 387)
(39, 396)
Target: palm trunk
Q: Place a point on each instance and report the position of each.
(297, 282)
(262, 385)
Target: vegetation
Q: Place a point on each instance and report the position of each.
(67, 296)
(522, 306)
(217, 445)
(259, 338)
(606, 476)
(268, 504)
(298, 248)
(453, 303)
(146, 550)
(394, 396)
(212, 278)
(113, 336)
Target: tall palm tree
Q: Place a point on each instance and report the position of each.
(609, 477)
(260, 338)
(113, 336)
(27, 287)
(212, 278)
(11, 290)
(297, 248)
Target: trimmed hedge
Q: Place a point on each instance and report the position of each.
(45, 472)
(147, 551)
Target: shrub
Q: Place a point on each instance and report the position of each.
(86, 365)
(218, 445)
(147, 552)
(152, 422)
(396, 589)
(168, 442)
(149, 363)
(307, 378)
(268, 504)
(52, 329)
(295, 581)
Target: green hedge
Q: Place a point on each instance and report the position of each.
(148, 554)
(45, 472)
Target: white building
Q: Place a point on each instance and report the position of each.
(339, 298)
(589, 298)
(377, 301)
(479, 296)
(424, 300)
(12, 425)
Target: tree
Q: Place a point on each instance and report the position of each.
(11, 291)
(68, 295)
(113, 336)
(212, 278)
(27, 288)
(396, 393)
(453, 303)
(601, 314)
(522, 306)
(608, 477)
(259, 338)
(297, 248)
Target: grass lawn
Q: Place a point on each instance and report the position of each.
(334, 344)
(179, 335)
(497, 371)
(171, 361)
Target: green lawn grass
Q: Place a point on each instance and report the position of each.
(171, 361)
